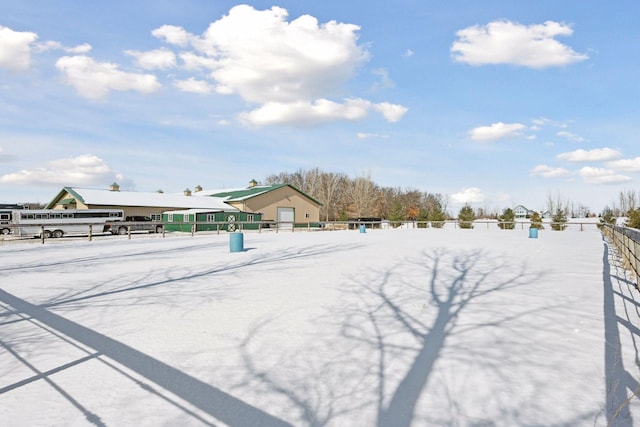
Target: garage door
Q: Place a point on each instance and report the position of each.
(286, 218)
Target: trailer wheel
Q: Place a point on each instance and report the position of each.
(159, 229)
(5, 231)
(58, 233)
(47, 234)
(122, 230)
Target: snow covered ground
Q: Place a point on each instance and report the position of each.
(411, 327)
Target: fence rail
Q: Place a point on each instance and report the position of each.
(627, 243)
(93, 230)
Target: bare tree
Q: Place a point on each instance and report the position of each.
(332, 189)
(362, 195)
(557, 203)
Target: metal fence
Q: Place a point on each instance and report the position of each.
(627, 243)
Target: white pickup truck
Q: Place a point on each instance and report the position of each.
(133, 223)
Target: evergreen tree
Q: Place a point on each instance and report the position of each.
(507, 219)
(396, 216)
(559, 220)
(423, 217)
(437, 216)
(608, 216)
(536, 221)
(634, 218)
(466, 217)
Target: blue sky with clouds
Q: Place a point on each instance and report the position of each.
(493, 103)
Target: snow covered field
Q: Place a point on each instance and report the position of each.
(413, 327)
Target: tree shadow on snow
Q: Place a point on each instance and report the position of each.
(389, 332)
(163, 284)
(148, 286)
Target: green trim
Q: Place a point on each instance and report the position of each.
(62, 192)
(67, 202)
(74, 194)
(241, 195)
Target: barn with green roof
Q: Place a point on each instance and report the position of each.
(281, 203)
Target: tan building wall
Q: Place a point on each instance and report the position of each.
(304, 209)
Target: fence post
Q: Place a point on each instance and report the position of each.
(42, 233)
(90, 232)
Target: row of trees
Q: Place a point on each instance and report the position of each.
(343, 197)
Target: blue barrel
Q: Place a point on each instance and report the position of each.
(236, 242)
(533, 233)
(363, 228)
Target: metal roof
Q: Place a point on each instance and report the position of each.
(92, 196)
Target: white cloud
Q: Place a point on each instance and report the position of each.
(94, 80)
(391, 112)
(15, 48)
(53, 45)
(307, 113)
(592, 175)
(571, 136)
(304, 113)
(193, 62)
(264, 58)
(549, 172)
(496, 131)
(506, 42)
(173, 35)
(290, 69)
(384, 81)
(363, 135)
(153, 59)
(595, 155)
(194, 86)
(627, 165)
(468, 195)
(80, 49)
(80, 170)
(408, 53)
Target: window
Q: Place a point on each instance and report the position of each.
(170, 217)
(156, 217)
(249, 217)
(211, 217)
(307, 215)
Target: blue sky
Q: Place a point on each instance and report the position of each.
(493, 103)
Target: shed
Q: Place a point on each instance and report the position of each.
(210, 220)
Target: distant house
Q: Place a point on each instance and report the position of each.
(521, 211)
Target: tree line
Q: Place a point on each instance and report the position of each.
(345, 198)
